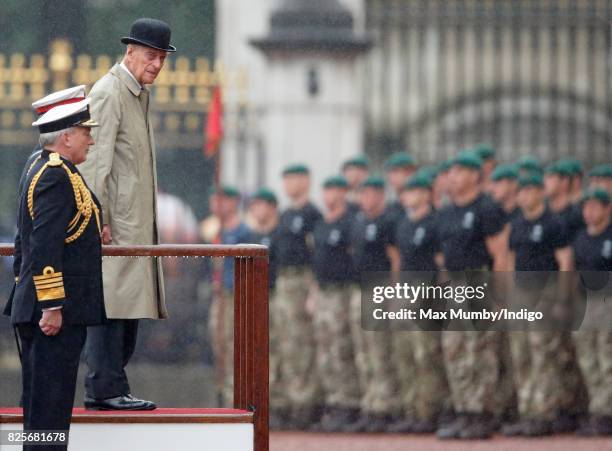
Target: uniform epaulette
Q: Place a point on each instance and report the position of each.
(54, 159)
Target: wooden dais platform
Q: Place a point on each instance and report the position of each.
(160, 429)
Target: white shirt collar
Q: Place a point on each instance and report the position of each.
(124, 67)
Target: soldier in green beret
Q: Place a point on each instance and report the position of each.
(575, 169)
(373, 244)
(335, 276)
(558, 188)
(399, 167)
(593, 252)
(504, 187)
(424, 388)
(601, 177)
(486, 152)
(538, 242)
(528, 164)
(294, 287)
(263, 221)
(473, 235)
(441, 185)
(355, 170)
(232, 230)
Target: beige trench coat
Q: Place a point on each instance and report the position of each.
(121, 170)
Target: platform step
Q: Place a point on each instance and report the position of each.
(160, 429)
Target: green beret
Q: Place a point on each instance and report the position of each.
(296, 169)
(485, 151)
(561, 167)
(225, 190)
(574, 164)
(374, 181)
(445, 165)
(360, 161)
(602, 170)
(418, 180)
(335, 181)
(400, 160)
(531, 179)
(599, 194)
(430, 171)
(468, 159)
(529, 163)
(265, 194)
(504, 171)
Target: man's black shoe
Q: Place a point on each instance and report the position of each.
(123, 402)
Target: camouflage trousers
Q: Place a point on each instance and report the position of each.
(377, 376)
(221, 327)
(279, 399)
(472, 362)
(297, 346)
(544, 369)
(594, 349)
(422, 379)
(537, 358)
(335, 355)
(472, 367)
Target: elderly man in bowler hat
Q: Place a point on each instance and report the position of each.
(121, 170)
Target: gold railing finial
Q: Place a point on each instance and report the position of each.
(60, 62)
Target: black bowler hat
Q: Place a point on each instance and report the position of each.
(150, 33)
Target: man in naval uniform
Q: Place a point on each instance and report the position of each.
(58, 290)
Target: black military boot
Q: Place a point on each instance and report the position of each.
(279, 419)
(424, 426)
(597, 425)
(336, 419)
(480, 426)
(303, 418)
(452, 430)
(379, 423)
(537, 428)
(359, 425)
(513, 429)
(404, 425)
(565, 422)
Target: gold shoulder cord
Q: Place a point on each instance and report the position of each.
(32, 165)
(84, 201)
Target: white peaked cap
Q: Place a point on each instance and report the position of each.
(65, 116)
(69, 95)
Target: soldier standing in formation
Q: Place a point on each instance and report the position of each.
(473, 236)
(221, 316)
(504, 188)
(373, 236)
(399, 168)
(486, 152)
(424, 388)
(593, 252)
(263, 221)
(355, 170)
(539, 242)
(335, 275)
(294, 245)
